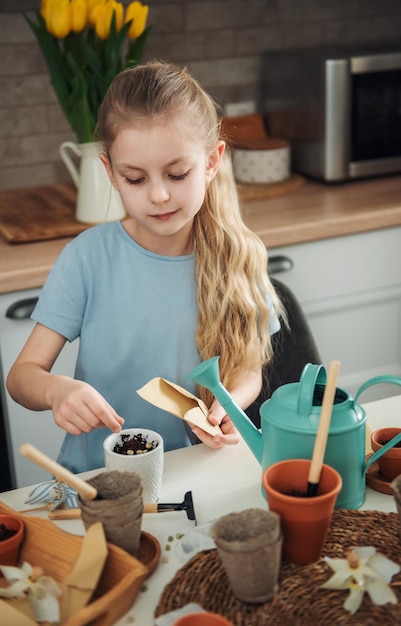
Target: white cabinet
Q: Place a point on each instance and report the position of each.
(23, 425)
(350, 290)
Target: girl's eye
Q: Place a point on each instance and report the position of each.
(179, 176)
(134, 181)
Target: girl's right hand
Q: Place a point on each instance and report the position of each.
(78, 408)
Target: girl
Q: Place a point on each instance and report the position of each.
(179, 280)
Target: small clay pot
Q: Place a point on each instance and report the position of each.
(305, 521)
(9, 548)
(204, 618)
(396, 487)
(390, 462)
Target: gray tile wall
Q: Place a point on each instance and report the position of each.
(221, 41)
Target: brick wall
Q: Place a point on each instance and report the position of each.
(221, 41)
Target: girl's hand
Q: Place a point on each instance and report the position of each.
(78, 408)
(217, 415)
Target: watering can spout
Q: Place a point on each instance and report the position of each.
(207, 374)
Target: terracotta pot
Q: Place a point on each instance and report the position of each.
(9, 548)
(390, 463)
(305, 520)
(396, 487)
(202, 619)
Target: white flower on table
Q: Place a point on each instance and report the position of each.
(42, 591)
(364, 569)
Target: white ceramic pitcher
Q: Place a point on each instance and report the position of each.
(97, 201)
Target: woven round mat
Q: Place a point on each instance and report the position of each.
(300, 600)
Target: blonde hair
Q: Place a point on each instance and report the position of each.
(233, 288)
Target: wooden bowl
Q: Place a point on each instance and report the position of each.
(56, 551)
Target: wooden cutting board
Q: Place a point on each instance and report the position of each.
(39, 213)
(263, 191)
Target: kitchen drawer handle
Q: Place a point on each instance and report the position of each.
(279, 263)
(22, 309)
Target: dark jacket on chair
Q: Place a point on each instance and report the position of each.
(293, 347)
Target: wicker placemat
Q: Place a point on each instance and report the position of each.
(300, 601)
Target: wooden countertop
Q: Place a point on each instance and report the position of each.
(312, 212)
(317, 211)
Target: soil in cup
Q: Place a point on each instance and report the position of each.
(134, 444)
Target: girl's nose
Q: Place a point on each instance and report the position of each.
(158, 193)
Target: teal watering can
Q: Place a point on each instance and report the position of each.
(289, 424)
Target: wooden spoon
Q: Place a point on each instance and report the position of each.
(84, 489)
(323, 429)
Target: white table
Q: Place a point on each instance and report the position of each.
(221, 481)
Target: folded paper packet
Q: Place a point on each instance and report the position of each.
(12, 616)
(78, 587)
(178, 401)
(85, 574)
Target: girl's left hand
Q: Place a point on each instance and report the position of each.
(230, 436)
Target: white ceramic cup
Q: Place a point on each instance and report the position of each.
(149, 465)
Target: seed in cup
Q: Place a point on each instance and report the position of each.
(134, 444)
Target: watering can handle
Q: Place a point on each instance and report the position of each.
(310, 377)
(68, 162)
(392, 380)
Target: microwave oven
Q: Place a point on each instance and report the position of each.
(340, 110)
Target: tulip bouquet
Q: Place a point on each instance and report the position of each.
(85, 43)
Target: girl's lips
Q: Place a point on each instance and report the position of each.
(163, 217)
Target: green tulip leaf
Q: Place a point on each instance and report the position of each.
(82, 66)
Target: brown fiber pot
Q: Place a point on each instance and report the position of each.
(305, 520)
(118, 506)
(249, 546)
(9, 548)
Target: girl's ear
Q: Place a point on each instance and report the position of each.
(214, 160)
(106, 162)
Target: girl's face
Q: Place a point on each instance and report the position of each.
(162, 177)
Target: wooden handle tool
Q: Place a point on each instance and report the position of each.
(84, 489)
(58, 514)
(323, 429)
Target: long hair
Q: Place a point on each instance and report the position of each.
(233, 289)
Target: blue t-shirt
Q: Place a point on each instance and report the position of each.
(136, 315)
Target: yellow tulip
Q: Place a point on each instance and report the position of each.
(79, 15)
(44, 9)
(93, 6)
(119, 13)
(137, 12)
(103, 16)
(58, 18)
